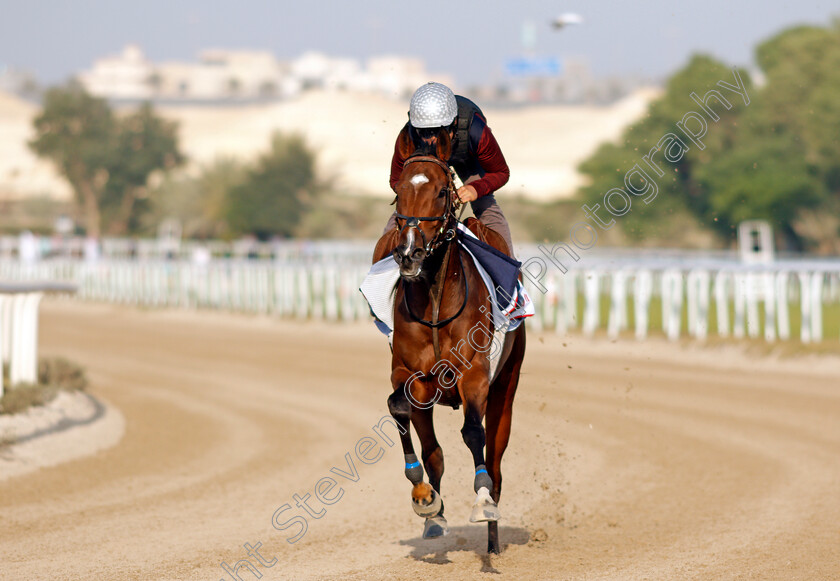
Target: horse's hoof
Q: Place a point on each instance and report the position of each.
(435, 527)
(426, 502)
(484, 509)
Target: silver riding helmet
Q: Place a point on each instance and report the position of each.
(432, 105)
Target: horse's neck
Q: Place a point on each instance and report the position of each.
(446, 255)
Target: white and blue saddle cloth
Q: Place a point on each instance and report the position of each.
(500, 273)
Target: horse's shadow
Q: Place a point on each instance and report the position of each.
(464, 538)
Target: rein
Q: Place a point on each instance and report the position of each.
(435, 324)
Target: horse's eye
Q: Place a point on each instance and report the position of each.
(442, 192)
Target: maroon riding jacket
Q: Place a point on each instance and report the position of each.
(488, 155)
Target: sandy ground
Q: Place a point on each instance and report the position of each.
(73, 425)
(627, 461)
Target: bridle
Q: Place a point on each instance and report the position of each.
(448, 213)
(448, 232)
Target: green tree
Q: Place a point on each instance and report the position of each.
(783, 160)
(777, 159)
(198, 202)
(276, 192)
(78, 133)
(145, 144)
(767, 180)
(799, 105)
(680, 193)
(106, 159)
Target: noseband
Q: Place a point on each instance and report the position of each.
(449, 212)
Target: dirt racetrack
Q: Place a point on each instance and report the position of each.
(627, 461)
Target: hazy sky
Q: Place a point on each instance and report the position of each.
(470, 40)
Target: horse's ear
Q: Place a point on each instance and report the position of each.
(404, 143)
(444, 145)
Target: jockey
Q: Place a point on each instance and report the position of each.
(476, 156)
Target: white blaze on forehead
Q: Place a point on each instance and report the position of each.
(419, 179)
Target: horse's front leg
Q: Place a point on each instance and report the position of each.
(425, 500)
(436, 525)
(475, 391)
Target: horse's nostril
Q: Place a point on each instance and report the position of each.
(418, 254)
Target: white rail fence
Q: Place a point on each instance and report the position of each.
(785, 300)
(773, 304)
(320, 291)
(28, 248)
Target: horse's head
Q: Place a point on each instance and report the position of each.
(424, 199)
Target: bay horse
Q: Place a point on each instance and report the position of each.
(441, 344)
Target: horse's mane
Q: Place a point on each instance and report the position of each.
(423, 140)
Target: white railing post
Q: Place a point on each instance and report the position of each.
(672, 297)
(739, 294)
(751, 291)
(782, 305)
(546, 305)
(805, 306)
(769, 294)
(697, 295)
(592, 298)
(816, 306)
(618, 304)
(19, 304)
(6, 305)
(17, 359)
(570, 298)
(642, 293)
(561, 326)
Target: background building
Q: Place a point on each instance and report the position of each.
(247, 75)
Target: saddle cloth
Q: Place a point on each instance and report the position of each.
(499, 272)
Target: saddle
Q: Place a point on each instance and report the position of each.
(386, 244)
(487, 235)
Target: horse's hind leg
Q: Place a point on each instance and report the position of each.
(499, 412)
(433, 462)
(426, 502)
